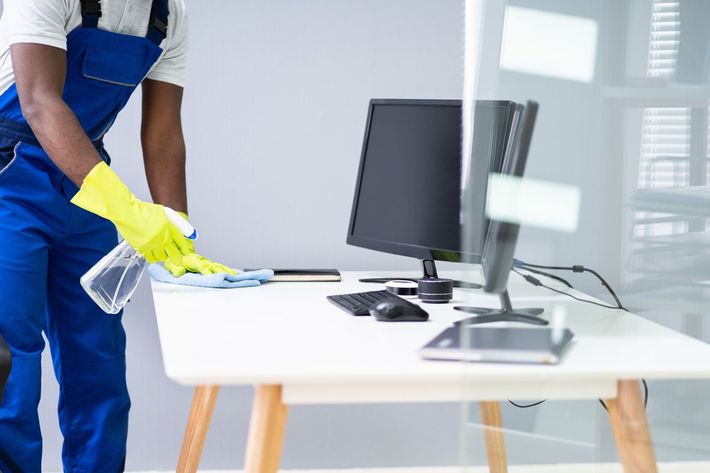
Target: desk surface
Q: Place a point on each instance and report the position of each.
(288, 334)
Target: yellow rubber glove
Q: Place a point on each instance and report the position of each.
(192, 262)
(195, 263)
(144, 225)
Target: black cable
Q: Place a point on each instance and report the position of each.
(525, 406)
(645, 396)
(517, 262)
(607, 286)
(576, 269)
(534, 268)
(537, 403)
(550, 275)
(645, 393)
(536, 282)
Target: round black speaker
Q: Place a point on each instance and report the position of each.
(436, 290)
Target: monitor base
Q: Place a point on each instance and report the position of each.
(485, 316)
(506, 314)
(428, 271)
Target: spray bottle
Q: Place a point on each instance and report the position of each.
(112, 281)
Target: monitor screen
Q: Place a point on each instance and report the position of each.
(408, 192)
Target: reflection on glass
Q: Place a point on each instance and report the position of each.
(670, 247)
(532, 202)
(624, 93)
(548, 44)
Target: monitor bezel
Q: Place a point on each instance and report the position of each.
(496, 263)
(407, 249)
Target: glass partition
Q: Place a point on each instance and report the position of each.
(624, 93)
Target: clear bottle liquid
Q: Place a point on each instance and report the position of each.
(112, 281)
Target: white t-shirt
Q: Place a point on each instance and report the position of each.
(49, 22)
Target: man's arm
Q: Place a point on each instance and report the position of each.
(163, 144)
(164, 158)
(40, 72)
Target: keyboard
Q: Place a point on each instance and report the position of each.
(359, 303)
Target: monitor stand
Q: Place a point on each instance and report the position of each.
(429, 271)
(506, 314)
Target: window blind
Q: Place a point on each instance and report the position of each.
(665, 136)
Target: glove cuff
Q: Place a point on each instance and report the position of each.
(102, 190)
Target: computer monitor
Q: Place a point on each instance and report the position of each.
(502, 237)
(408, 193)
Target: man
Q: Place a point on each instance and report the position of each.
(67, 67)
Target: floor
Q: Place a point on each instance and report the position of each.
(680, 467)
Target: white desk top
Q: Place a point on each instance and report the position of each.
(289, 334)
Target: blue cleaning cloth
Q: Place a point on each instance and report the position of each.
(219, 280)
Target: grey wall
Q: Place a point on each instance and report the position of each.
(274, 115)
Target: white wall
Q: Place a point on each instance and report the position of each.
(274, 115)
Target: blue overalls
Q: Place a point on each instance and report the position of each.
(47, 244)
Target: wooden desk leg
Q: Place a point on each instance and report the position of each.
(493, 436)
(198, 423)
(266, 431)
(628, 421)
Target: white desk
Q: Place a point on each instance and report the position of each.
(297, 348)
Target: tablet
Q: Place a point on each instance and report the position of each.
(499, 344)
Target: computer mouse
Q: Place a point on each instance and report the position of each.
(395, 311)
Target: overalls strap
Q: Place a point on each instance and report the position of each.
(90, 13)
(158, 23)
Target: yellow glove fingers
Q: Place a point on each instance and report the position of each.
(220, 268)
(204, 270)
(173, 253)
(185, 245)
(193, 263)
(158, 255)
(206, 266)
(175, 269)
(203, 265)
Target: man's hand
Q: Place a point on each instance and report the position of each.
(195, 263)
(191, 262)
(145, 226)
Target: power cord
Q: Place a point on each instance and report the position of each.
(645, 397)
(534, 268)
(550, 275)
(537, 269)
(536, 282)
(525, 406)
(537, 403)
